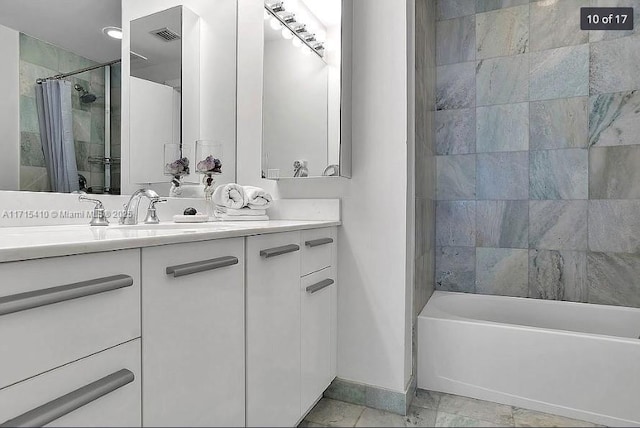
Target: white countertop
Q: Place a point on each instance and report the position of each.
(25, 243)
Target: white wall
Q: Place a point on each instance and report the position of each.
(9, 109)
(217, 78)
(372, 255)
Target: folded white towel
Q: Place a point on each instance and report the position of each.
(257, 198)
(241, 212)
(225, 217)
(230, 195)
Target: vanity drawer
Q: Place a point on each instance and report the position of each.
(317, 249)
(100, 390)
(55, 311)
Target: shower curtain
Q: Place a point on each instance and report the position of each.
(53, 98)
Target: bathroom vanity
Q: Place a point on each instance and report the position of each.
(219, 324)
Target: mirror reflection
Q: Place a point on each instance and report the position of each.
(164, 49)
(68, 108)
(302, 88)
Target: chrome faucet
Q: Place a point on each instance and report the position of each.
(130, 215)
(99, 217)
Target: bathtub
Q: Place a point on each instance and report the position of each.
(572, 359)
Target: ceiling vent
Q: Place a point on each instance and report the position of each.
(166, 34)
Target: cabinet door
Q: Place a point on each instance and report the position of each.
(193, 334)
(316, 300)
(273, 329)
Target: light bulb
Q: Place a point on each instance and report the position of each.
(275, 24)
(266, 15)
(287, 34)
(297, 42)
(113, 32)
(306, 51)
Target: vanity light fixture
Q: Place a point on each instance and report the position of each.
(276, 7)
(287, 34)
(289, 19)
(281, 19)
(275, 24)
(113, 32)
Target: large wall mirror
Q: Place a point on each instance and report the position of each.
(60, 72)
(306, 106)
(164, 95)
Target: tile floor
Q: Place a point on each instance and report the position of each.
(433, 409)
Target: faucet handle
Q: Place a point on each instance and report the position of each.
(152, 214)
(99, 217)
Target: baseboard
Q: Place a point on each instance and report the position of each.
(372, 396)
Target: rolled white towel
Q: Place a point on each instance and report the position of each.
(230, 195)
(241, 212)
(257, 198)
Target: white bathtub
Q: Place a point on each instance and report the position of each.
(572, 359)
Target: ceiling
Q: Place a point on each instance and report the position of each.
(74, 25)
(163, 59)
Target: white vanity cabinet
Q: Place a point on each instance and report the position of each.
(193, 334)
(290, 331)
(318, 299)
(237, 331)
(69, 329)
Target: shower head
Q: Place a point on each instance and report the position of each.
(85, 96)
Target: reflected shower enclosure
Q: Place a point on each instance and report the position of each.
(62, 91)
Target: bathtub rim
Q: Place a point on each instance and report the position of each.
(466, 320)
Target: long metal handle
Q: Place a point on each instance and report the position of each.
(49, 296)
(49, 412)
(318, 242)
(278, 251)
(202, 266)
(319, 286)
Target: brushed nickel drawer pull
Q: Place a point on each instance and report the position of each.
(319, 286)
(278, 251)
(202, 266)
(48, 296)
(318, 242)
(55, 409)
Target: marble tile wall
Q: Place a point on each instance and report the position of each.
(116, 109)
(427, 124)
(39, 59)
(537, 144)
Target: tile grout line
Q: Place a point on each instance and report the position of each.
(360, 416)
(529, 177)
